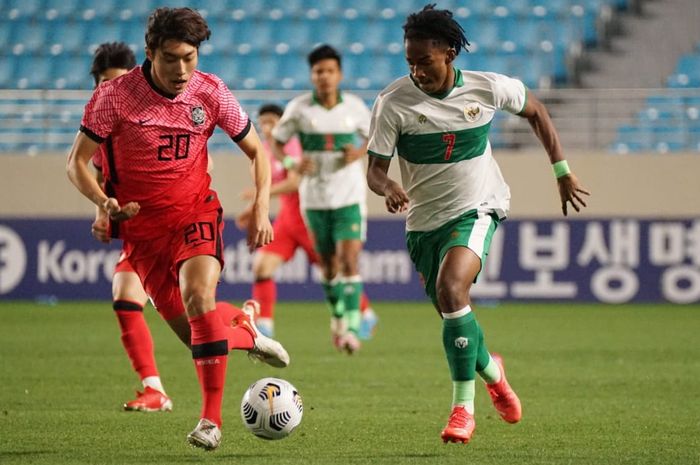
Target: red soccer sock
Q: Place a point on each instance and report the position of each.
(239, 333)
(210, 354)
(364, 303)
(136, 337)
(265, 292)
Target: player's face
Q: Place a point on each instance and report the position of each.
(110, 73)
(429, 62)
(326, 76)
(267, 122)
(173, 65)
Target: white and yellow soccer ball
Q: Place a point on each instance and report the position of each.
(271, 408)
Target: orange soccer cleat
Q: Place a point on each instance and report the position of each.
(459, 427)
(150, 400)
(503, 397)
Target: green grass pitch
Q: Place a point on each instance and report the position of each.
(599, 385)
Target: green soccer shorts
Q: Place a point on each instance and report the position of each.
(428, 248)
(330, 226)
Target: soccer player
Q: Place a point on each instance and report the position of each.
(332, 191)
(155, 122)
(289, 228)
(112, 60)
(437, 119)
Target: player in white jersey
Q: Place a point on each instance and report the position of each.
(437, 120)
(332, 192)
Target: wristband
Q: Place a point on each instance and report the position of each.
(288, 162)
(561, 169)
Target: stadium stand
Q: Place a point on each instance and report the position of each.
(260, 45)
(668, 122)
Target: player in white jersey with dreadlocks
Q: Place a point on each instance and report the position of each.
(437, 120)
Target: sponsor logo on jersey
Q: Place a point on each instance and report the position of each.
(198, 116)
(472, 112)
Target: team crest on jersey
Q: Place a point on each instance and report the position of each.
(422, 119)
(472, 112)
(198, 115)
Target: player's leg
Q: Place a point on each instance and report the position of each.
(368, 324)
(198, 277)
(129, 299)
(267, 260)
(319, 224)
(349, 226)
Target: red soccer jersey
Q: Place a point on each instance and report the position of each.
(156, 145)
(292, 148)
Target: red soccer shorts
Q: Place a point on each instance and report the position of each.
(123, 265)
(290, 234)
(157, 262)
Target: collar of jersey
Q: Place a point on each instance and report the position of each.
(146, 68)
(316, 101)
(458, 82)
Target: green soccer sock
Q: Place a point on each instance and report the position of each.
(460, 338)
(485, 365)
(333, 291)
(463, 393)
(352, 293)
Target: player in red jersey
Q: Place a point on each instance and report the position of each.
(155, 122)
(290, 230)
(112, 60)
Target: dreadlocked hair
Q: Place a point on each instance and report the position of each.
(430, 23)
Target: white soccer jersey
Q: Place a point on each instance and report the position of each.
(323, 133)
(445, 157)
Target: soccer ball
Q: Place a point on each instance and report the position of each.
(271, 408)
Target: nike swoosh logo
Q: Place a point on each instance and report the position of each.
(144, 121)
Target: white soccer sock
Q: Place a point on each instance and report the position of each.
(154, 383)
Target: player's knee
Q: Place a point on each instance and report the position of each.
(452, 295)
(197, 300)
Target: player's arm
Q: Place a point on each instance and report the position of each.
(380, 183)
(81, 177)
(569, 186)
(260, 229)
(352, 153)
(100, 227)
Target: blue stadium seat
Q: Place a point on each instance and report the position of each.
(7, 65)
(18, 10)
(98, 34)
(133, 33)
(293, 71)
(29, 37)
(71, 72)
(215, 9)
(101, 10)
(139, 9)
(69, 36)
(223, 34)
(32, 72)
(689, 64)
(5, 35)
(296, 34)
(669, 138)
(333, 32)
(60, 10)
(255, 35)
(226, 68)
(632, 138)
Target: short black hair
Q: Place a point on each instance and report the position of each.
(324, 52)
(111, 55)
(271, 108)
(430, 23)
(181, 24)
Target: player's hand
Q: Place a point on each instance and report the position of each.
(248, 194)
(352, 153)
(244, 218)
(259, 229)
(306, 166)
(570, 192)
(117, 213)
(100, 229)
(395, 197)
